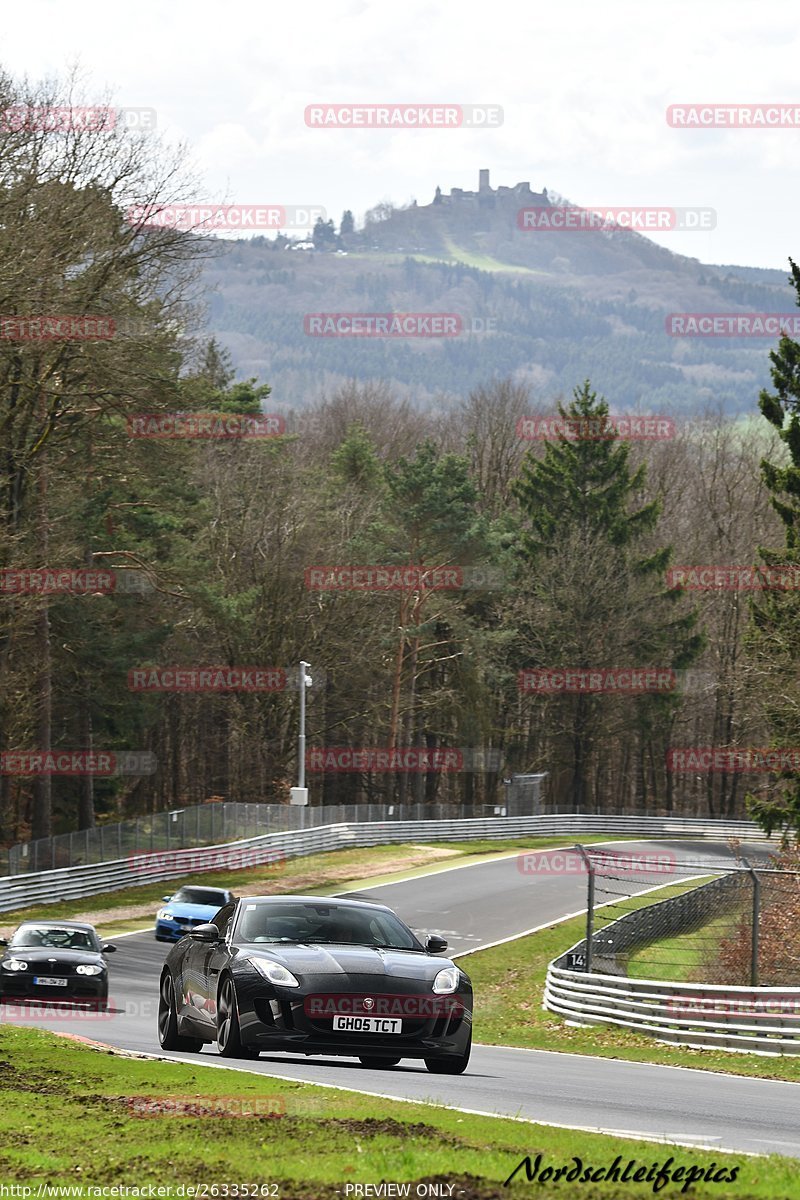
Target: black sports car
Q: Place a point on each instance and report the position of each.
(316, 975)
(49, 959)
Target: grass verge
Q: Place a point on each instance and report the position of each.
(681, 959)
(69, 1117)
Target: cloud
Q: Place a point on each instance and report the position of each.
(584, 89)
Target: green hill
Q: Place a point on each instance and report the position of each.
(552, 308)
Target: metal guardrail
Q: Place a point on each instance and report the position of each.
(227, 821)
(759, 1020)
(75, 883)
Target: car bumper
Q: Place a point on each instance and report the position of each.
(172, 931)
(275, 1020)
(79, 988)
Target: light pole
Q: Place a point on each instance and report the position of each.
(299, 794)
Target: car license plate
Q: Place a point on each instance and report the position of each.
(49, 981)
(368, 1024)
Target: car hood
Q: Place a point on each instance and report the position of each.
(347, 960)
(41, 954)
(197, 912)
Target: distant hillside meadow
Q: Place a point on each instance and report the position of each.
(494, 283)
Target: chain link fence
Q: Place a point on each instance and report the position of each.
(650, 916)
(212, 824)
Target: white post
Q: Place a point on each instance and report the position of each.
(299, 794)
(301, 774)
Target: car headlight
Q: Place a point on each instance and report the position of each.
(165, 915)
(274, 972)
(15, 964)
(89, 969)
(446, 981)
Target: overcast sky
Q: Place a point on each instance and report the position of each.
(584, 89)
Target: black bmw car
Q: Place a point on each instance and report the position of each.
(316, 975)
(55, 959)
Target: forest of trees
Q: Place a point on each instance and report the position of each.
(572, 538)
(550, 328)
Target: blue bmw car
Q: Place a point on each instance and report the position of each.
(190, 906)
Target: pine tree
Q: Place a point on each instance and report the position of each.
(594, 580)
(216, 365)
(776, 614)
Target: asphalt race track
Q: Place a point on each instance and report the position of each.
(472, 906)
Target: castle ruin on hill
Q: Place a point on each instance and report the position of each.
(487, 196)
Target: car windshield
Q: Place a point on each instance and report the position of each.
(208, 897)
(313, 924)
(55, 937)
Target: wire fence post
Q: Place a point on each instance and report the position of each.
(756, 921)
(589, 908)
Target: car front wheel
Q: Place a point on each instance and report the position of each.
(454, 1064)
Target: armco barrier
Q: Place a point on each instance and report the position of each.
(230, 821)
(75, 883)
(758, 1020)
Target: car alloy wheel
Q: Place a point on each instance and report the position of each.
(229, 1036)
(168, 1036)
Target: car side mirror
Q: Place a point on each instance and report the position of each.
(3, 941)
(205, 933)
(166, 897)
(436, 944)
(109, 948)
